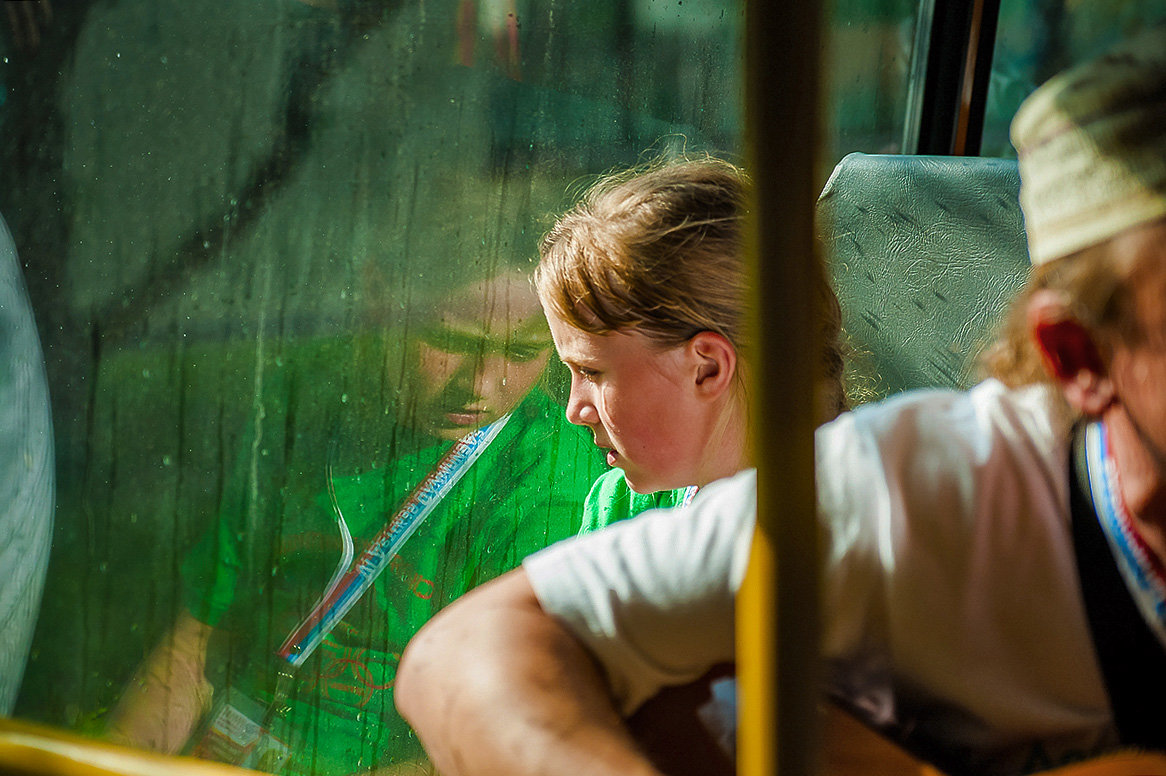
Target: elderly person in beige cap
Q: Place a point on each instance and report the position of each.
(995, 560)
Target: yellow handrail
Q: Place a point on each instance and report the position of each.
(27, 749)
(777, 610)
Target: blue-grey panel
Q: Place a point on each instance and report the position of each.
(26, 473)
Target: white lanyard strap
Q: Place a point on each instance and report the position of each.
(346, 589)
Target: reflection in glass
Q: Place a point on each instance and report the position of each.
(279, 256)
(867, 71)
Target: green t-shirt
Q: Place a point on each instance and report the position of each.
(276, 545)
(611, 500)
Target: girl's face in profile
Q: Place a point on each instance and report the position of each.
(639, 402)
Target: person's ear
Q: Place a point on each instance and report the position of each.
(1070, 353)
(716, 362)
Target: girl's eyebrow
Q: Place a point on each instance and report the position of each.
(577, 361)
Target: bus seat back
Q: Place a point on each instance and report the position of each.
(925, 253)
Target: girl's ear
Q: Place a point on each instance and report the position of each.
(716, 363)
(1070, 353)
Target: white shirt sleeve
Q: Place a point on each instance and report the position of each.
(652, 598)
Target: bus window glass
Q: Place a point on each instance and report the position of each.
(279, 254)
(1034, 41)
(867, 68)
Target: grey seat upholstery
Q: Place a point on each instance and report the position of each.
(26, 473)
(925, 253)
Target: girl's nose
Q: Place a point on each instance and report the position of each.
(580, 409)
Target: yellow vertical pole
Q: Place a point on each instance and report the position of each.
(777, 611)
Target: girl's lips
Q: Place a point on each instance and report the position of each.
(465, 418)
(612, 457)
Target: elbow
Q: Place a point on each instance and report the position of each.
(412, 689)
(447, 659)
(458, 664)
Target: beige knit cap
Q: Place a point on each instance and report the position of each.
(1092, 149)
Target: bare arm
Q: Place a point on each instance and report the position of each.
(169, 693)
(494, 685)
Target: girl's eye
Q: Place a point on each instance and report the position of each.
(587, 374)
